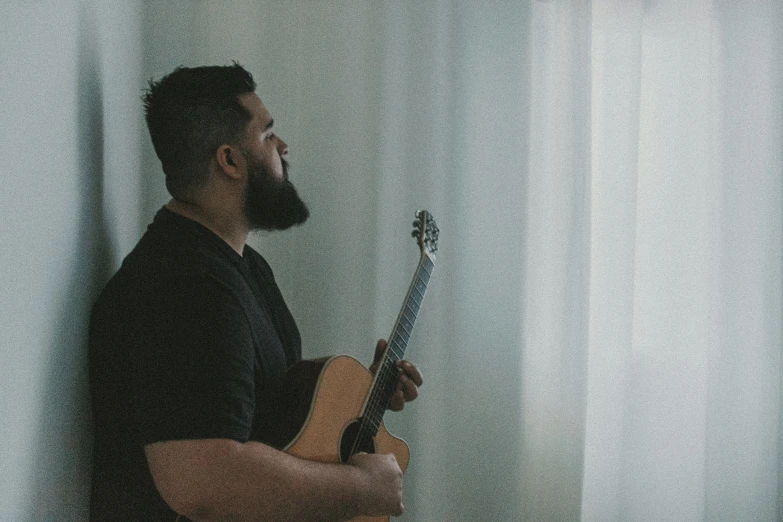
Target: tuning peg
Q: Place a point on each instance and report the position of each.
(416, 233)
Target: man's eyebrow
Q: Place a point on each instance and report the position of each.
(269, 125)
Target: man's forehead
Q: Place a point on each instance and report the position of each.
(253, 103)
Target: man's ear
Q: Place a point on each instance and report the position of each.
(229, 160)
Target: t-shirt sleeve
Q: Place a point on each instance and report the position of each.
(194, 363)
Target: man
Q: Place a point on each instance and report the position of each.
(188, 335)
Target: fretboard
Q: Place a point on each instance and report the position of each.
(387, 375)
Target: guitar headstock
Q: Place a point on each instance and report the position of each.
(426, 233)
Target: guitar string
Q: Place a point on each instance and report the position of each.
(384, 390)
(403, 334)
(375, 408)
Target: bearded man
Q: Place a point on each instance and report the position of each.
(188, 335)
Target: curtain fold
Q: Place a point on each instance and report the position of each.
(555, 264)
(615, 102)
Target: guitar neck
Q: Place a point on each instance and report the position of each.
(387, 375)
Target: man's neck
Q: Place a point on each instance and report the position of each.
(229, 227)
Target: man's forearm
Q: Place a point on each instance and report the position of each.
(224, 480)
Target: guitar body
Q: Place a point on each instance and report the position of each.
(318, 428)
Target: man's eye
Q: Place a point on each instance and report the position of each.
(270, 136)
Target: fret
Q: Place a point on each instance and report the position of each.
(395, 355)
(404, 332)
(427, 266)
(397, 350)
(409, 313)
(396, 343)
(407, 321)
(400, 345)
(406, 324)
(401, 330)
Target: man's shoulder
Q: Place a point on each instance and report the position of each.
(159, 271)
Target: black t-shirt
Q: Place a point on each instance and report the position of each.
(184, 340)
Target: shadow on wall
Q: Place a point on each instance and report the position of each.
(62, 470)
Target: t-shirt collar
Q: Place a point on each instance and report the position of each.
(190, 226)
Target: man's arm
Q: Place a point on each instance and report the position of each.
(222, 479)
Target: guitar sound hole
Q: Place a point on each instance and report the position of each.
(348, 440)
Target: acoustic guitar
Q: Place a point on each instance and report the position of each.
(329, 409)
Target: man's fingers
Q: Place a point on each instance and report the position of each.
(380, 347)
(397, 402)
(412, 372)
(407, 388)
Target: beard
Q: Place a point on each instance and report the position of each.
(272, 204)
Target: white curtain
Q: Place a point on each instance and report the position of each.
(602, 337)
(684, 344)
(652, 262)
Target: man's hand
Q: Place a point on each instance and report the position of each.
(382, 482)
(410, 379)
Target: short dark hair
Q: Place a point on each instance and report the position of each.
(190, 113)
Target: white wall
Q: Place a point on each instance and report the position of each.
(70, 143)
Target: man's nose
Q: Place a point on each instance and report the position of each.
(282, 147)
